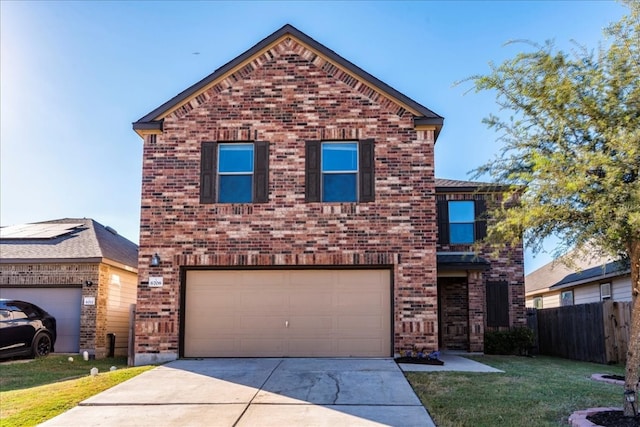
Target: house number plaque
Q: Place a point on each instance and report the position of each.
(155, 282)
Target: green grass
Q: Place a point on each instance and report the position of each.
(33, 392)
(540, 391)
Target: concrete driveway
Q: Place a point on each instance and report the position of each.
(257, 392)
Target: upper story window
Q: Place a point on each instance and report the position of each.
(339, 171)
(234, 172)
(461, 221)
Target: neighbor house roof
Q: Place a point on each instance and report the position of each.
(153, 120)
(541, 280)
(601, 272)
(68, 239)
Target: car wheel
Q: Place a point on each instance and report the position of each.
(41, 345)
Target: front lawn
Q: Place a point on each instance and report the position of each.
(32, 392)
(540, 391)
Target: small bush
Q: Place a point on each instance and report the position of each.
(513, 341)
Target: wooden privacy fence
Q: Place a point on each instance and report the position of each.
(596, 332)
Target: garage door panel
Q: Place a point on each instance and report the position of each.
(202, 347)
(257, 299)
(321, 325)
(362, 324)
(310, 302)
(308, 347)
(365, 347)
(314, 313)
(318, 278)
(262, 347)
(62, 303)
(274, 325)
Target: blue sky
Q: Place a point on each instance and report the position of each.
(75, 75)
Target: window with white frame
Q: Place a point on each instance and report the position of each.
(566, 298)
(537, 302)
(605, 291)
(235, 173)
(339, 171)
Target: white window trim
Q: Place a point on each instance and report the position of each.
(350, 171)
(219, 174)
(608, 295)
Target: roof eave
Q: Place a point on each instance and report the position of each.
(153, 126)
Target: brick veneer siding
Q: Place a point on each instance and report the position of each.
(287, 96)
(506, 264)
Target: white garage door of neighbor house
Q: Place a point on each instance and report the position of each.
(62, 303)
(295, 313)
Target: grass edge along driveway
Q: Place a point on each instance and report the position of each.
(539, 391)
(30, 405)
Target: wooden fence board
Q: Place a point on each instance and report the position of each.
(596, 332)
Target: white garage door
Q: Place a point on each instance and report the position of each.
(62, 303)
(297, 313)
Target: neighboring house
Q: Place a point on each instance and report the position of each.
(289, 209)
(556, 284)
(81, 272)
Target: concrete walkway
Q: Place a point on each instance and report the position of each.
(257, 392)
(452, 362)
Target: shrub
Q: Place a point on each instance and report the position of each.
(513, 341)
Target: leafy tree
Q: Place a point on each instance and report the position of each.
(570, 130)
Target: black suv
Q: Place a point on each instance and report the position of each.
(25, 329)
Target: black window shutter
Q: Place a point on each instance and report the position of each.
(208, 172)
(367, 176)
(497, 304)
(312, 171)
(261, 172)
(443, 221)
(481, 219)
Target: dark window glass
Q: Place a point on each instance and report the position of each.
(461, 222)
(339, 171)
(340, 187)
(235, 173)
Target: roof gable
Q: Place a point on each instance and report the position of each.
(312, 51)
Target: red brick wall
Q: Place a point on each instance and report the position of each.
(287, 96)
(507, 264)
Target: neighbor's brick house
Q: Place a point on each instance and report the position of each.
(291, 199)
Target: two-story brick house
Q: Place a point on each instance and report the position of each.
(289, 209)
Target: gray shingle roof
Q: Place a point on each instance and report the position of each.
(553, 272)
(89, 241)
(455, 185)
(611, 269)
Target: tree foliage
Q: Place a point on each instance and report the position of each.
(569, 123)
(571, 140)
